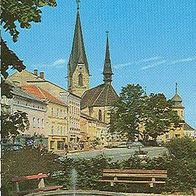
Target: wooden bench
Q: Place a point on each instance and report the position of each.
(41, 185)
(135, 176)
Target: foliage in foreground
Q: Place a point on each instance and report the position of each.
(13, 124)
(180, 164)
(23, 13)
(27, 161)
(181, 169)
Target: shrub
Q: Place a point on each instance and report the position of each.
(26, 161)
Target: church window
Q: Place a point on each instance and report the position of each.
(80, 80)
(100, 115)
(80, 67)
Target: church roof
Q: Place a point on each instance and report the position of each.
(78, 55)
(100, 96)
(176, 99)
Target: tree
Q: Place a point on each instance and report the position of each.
(126, 115)
(136, 114)
(12, 125)
(159, 116)
(23, 12)
(182, 148)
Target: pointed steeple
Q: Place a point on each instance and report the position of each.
(107, 70)
(78, 54)
(176, 88)
(176, 99)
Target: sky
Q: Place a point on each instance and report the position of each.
(152, 43)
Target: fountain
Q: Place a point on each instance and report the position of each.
(74, 191)
(73, 180)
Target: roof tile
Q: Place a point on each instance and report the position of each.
(42, 94)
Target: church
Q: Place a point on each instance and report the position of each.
(97, 101)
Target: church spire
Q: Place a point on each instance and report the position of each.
(78, 54)
(78, 69)
(107, 71)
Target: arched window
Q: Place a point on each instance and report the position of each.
(100, 115)
(80, 80)
(52, 111)
(52, 130)
(33, 122)
(38, 123)
(61, 130)
(42, 123)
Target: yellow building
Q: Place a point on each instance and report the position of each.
(72, 101)
(57, 114)
(91, 130)
(184, 129)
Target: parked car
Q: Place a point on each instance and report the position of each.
(122, 145)
(134, 144)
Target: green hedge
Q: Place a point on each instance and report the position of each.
(181, 167)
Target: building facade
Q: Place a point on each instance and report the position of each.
(71, 100)
(35, 109)
(57, 115)
(184, 129)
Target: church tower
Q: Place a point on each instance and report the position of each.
(78, 70)
(177, 104)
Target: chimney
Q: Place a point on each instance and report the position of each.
(41, 75)
(35, 72)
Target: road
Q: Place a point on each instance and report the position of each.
(117, 153)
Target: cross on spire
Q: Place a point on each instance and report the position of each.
(176, 88)
(78, 4)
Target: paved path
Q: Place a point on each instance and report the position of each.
(117, 153)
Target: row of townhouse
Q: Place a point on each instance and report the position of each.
(53, 112)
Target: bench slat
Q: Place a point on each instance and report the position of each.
(136, 171)
(135, 181)
(134, 175)
(33, 177)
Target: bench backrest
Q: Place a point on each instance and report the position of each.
(25, 178)
(134, 173)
